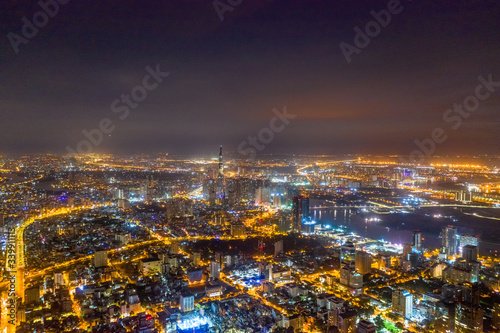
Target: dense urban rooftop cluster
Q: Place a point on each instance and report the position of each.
(102, 243)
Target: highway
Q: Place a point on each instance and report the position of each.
(15, 267)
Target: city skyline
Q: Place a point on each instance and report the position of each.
(312, 242)
(249, 166)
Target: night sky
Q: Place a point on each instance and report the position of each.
(225, 77)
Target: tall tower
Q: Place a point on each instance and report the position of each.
(417, 240)
(221, 164)
(300, 212)
(221, 186)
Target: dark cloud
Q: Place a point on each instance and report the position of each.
(226, 77)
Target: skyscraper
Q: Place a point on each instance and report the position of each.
(449, 240)
(221, 164)
(363, 262)
(214, 270)
(346, 321)
(196, 257)
(300, 211)
(305, 209)
(58, 279)
(101, 259)
(468, 318)
(348, 255)
(469, 253)
(352, 279)
(186, 302)
(464, 240)
(221, 188)
(417, 241)
(402, 302)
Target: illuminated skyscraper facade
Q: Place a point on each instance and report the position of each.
(449, 240)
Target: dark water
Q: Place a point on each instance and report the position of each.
(354, 221)
(398, 228)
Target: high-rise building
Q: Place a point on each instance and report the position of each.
(237, 230)
(214, 270)
(186, 302)
(276, 198)
(195, 258)
(470, 293)
(294, 322)
(363, 262)
(445, 316)
(58, 279)
(449, 240)
(119, 194)
(47, 284)
(468, 318)
(174, 248)
(352, 279)
(143, 188)
(263, 194)
(365, 326)
(384, 261)
(210, 191)
(469, 253)
(146, 323)
(305, 209)
(407, 250)
(278, 248)
(101, 259)
(219, 257)
(464, 240)
(417, 241)
(463, 196)
(221, 186)
(300, 212)
(402, 302)
(171, 260)
(221, 164)
(32, 295)
(228, 262)
(462, 272)
(346, 321)
(334, 306)
(496, 316)
(348, 255)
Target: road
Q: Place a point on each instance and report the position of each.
(16, 266)
(15, 263)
